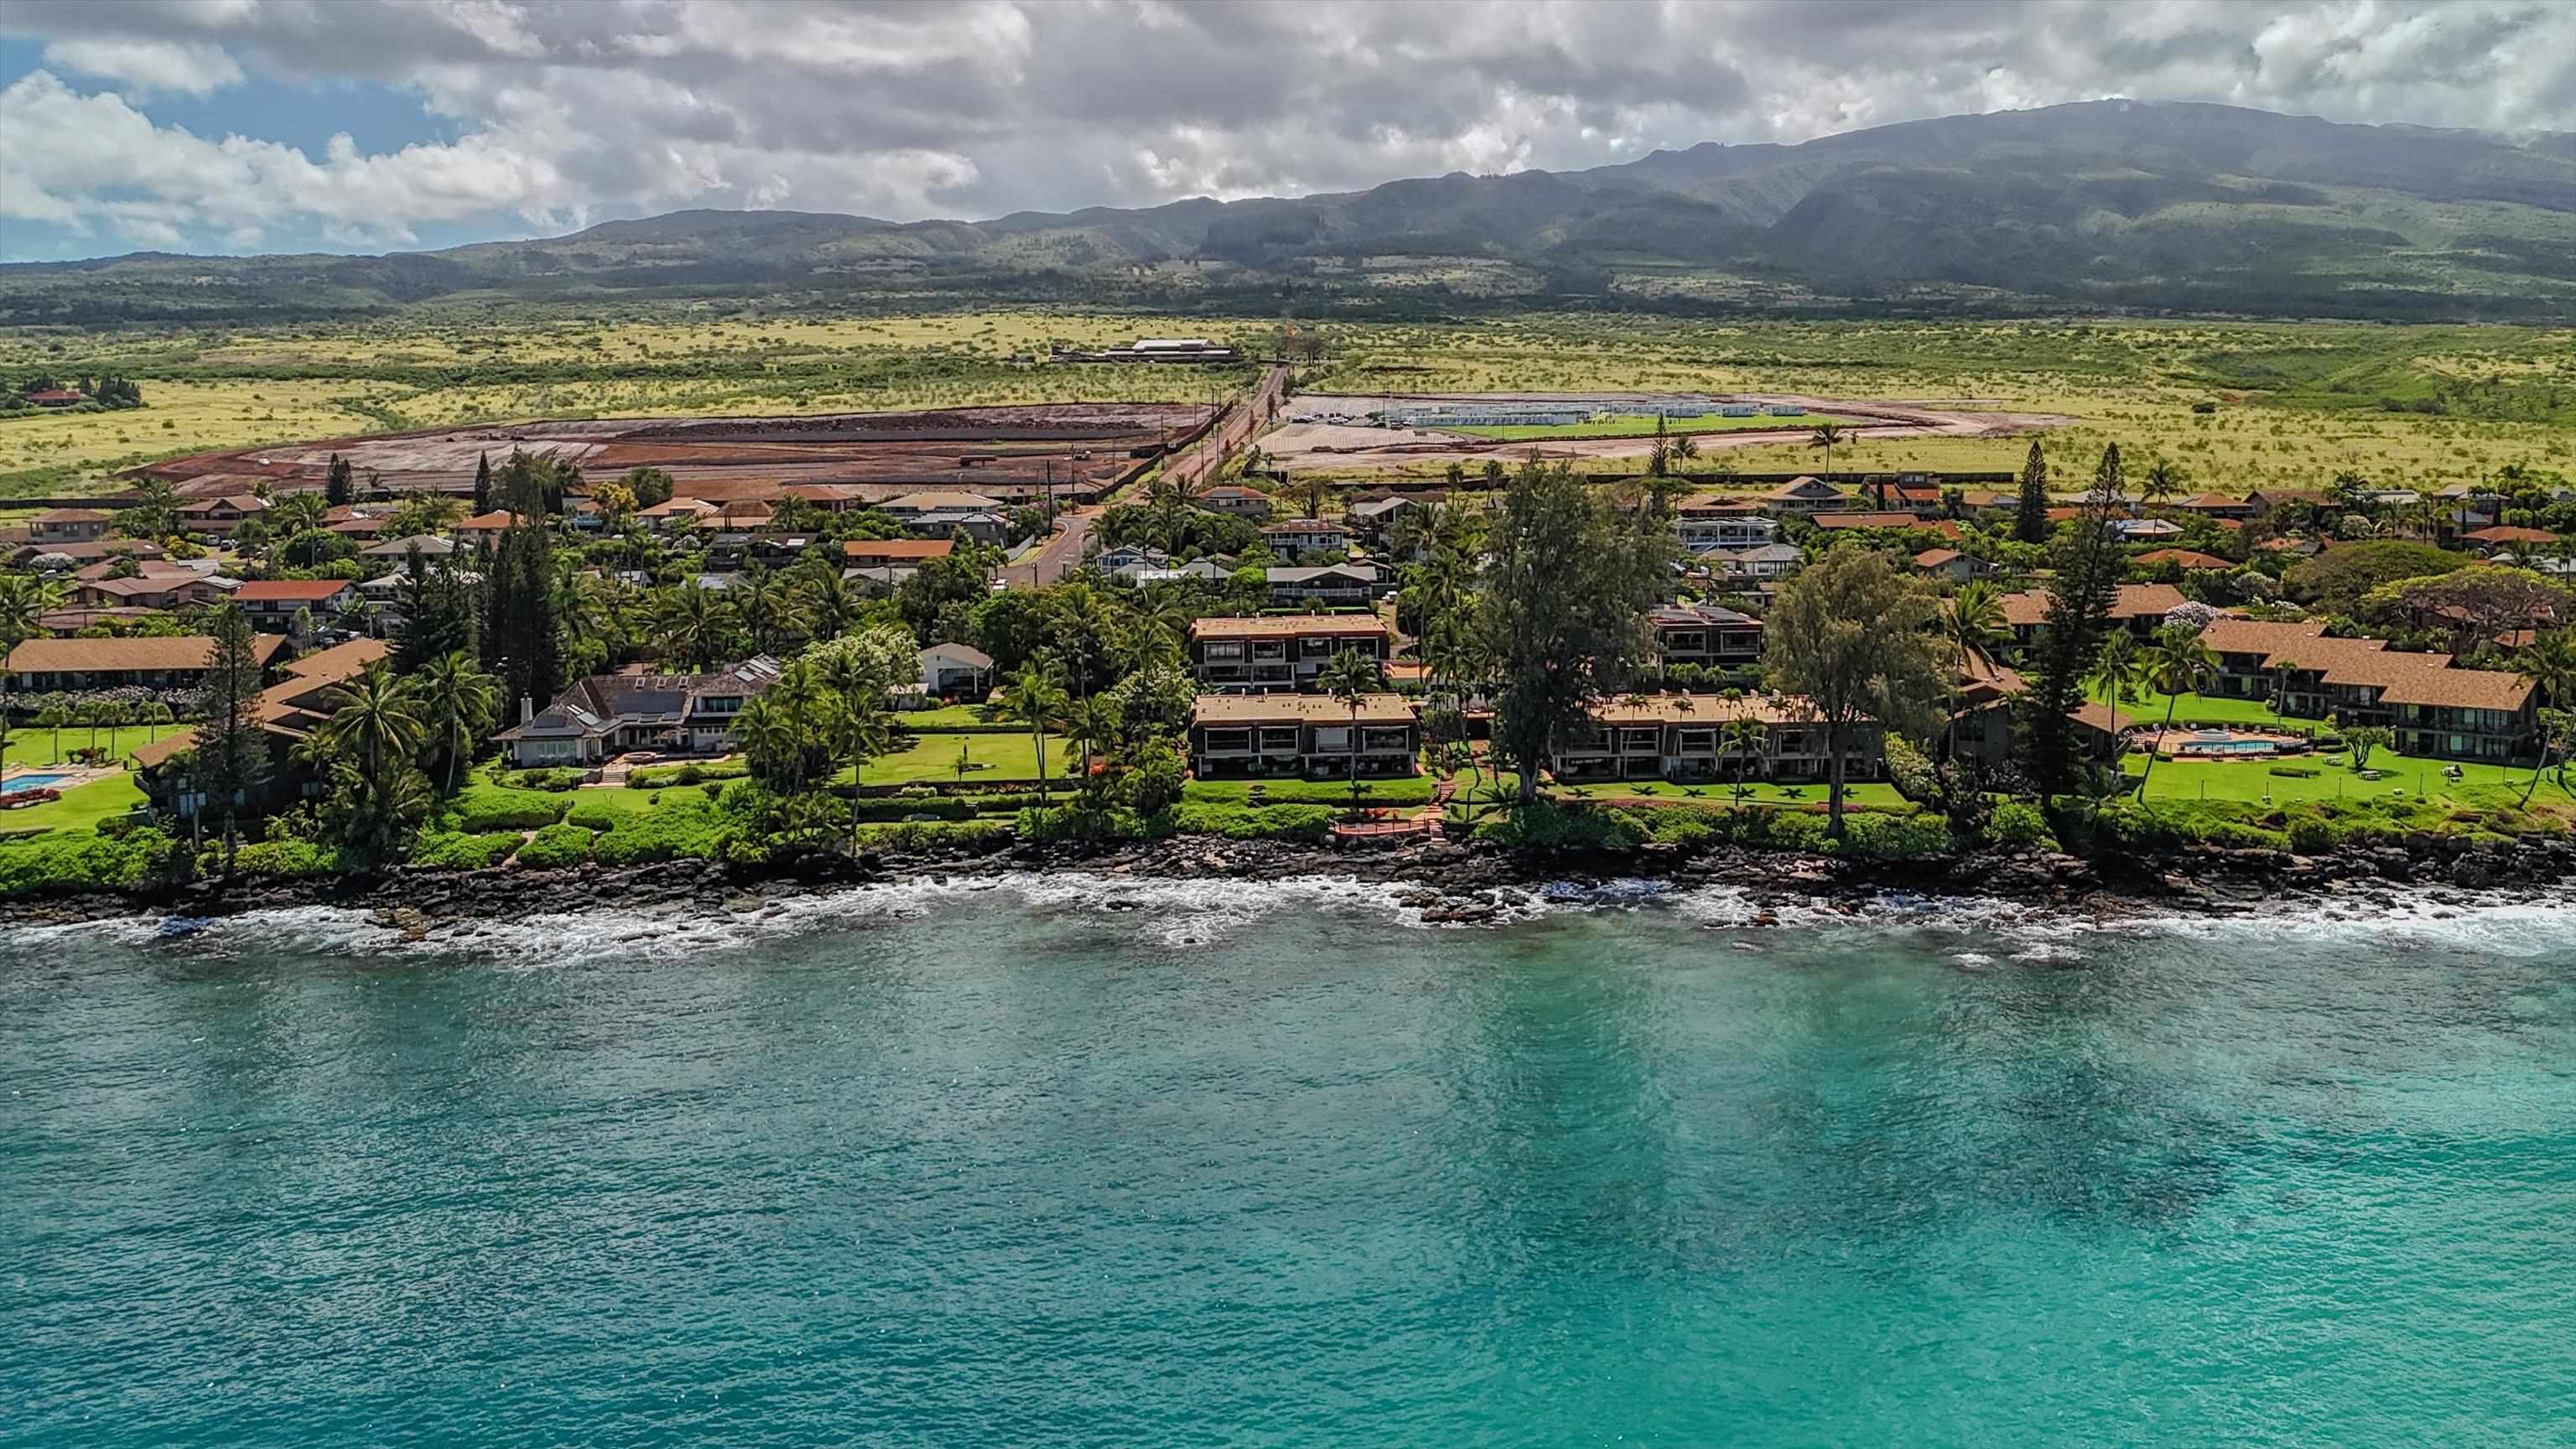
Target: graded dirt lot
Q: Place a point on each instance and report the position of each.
(1079, 450)
(1307, 440)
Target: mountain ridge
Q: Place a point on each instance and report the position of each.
(2121, 204)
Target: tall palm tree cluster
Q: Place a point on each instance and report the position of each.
(389, 737)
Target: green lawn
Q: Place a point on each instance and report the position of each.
(2148, 708)
(1859, 793)
(946, 717)
(2479, 786)
(81, 808)
(32, 747)
(1643, 424)
(1407, 790)
(932, 760)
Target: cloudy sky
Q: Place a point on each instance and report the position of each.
(283, 125)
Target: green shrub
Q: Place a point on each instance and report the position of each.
(557, 779)
(1077, 821)
(2313, 834)
(1546, 826)
(286, 858)
(655, 777)
(1681, 830)
(481, 810)
(1248, 822)
(678, 827)
(2236, 835)
(555, 847)
(1399, 790)
(454, 850)
(2294, 772)
(593, 813)
(898, 807)
(79, 860)
(2018, 825)
(1892, 837)
(920, 835)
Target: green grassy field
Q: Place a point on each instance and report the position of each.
(2293, 403)
(2480, 787)
(2148, 708)
(1642, 424)
(932, 760)
(80, 808)
(33, 747)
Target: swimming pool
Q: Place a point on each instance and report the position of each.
(30, 782)
(2228, 747)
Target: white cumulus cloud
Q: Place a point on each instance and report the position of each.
(187, 67)
(536, 114)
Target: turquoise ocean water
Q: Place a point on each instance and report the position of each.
(1267, 1165)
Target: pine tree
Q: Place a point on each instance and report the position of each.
(2079, 614)
(232, 753)
(1563, 620)
(340, 485)
(2030, 525)
(438, 614)
(519, 641)
(482, 484)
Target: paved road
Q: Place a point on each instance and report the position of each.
(1193, 465)
(1054, 559)
(1235, 429)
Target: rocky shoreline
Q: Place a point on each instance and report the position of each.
(1449, 882)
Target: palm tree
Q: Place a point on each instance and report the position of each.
(2163, 480)
(858, 717)
(830, 605)
(1090, 725)
(24, 602)
(766, 611)
(295, 514)
(1085, 627)
(1826, 436)
(1415, 532)
(1036, 695)
(54, 717)
(457, 701)
(2550, 661)
(1739, 740)
(693, 623)
(375, 717)
(2176, 664)
(1351, 676)
(2115, 669)
(1973, 626)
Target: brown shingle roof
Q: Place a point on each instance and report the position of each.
(2133, 601)
(1869, 520)
(2187, 558)
(290, 591)
(2460, 689)
(2510, 533)
(1290, 626)
(1704, 709)
(1250, 709)
(91, 656)
(899, 549)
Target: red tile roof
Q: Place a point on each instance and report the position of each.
(2187, 558)
(289, 591)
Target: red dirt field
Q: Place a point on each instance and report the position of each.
(1015, 454)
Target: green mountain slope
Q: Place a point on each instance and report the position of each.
(2107, 203)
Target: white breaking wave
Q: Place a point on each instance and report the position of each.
(1974, 931)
